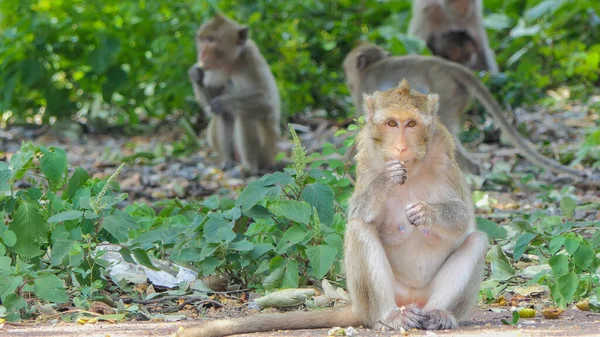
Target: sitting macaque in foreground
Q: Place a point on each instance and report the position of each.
(446, 25)
(235, 87)
(413, 257)
(370, 68)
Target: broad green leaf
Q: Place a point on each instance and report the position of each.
(298, 211)
(559, 265)
(218, 230)
(522, 244)
(292, 236)
(5, 263)
(320, 259)
(50, 288)
(548, 7)
(141, 256)
(556, 243)
(119, 224)
(572, 242)
(209, 265)
(8, 285)
(78, 179)
(20, 162)
(584, 256)
(115, 79)
(497, 22)
(54, 164)
(31, 230)
(277, 178)
(261, 249)
(4, 177)
(242, 246)
(273, 281)
(60, 248)
(567, 206)
(253, 193)
(2, 249)
(291, 278)
(568, 285)
(13, 304)
(501, 268)
(66, 215)
(490, 228)
(127, 255)
(8, 237)
(31, 72)
(320, 197)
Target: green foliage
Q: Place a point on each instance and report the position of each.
(283, 230)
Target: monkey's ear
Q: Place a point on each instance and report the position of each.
(362, 62)
(242, 35)
(433, 103)
(368, 107)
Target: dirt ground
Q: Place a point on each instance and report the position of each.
(482, 323)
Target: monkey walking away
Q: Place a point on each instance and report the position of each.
(369, 68)
(235, 87)
(413, 257)
(453, 29)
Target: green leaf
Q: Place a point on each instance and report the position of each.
(5, 263)
(572, 242)
(291, 278)
(490, 228)
(115, 79)
(514, 321)
(556, 243)
(320, 259)
(141, 256)
(522, 244)
(4, 177)
(298, 211)
(584, 256)
(8, 237)
(66, 215)
(242, 246)
(320, 197)
(50, 288)
(254, 192)
(31, 230)
(218, 230)
(119, 224)
(20, 162)
(567, 206)
(8, 285)
(54, 164)
(261, 249)
(277, 178)
(501, 268)
(273, 281)
(78, 179)
(127, 255)
(60, 248)
(31, 72)
(559, 264)
(292, 236)
(13, 304)
(568, 285)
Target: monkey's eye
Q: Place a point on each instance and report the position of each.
(392, 123)
(411, 123)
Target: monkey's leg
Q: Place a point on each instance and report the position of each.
(220, 139)
(248, 144)
(370, 281)
(454, 289)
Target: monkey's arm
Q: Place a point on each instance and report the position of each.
(203, 94)
(250, 105)
(449, 218)
(371, 194)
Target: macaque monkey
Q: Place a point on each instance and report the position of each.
(413, 257)
(457, 46)
(369, 68)
(435, 19)
(235, 87)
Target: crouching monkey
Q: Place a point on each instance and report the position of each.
(413, 257)
(235, 87)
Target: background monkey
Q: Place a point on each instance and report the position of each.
(457, 46)
(413, 258)
(433, 17)
(369, 68)
(235, 87)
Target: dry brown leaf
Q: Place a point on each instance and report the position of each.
(552, 313)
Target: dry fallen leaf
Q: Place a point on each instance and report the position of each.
(583, 305)
(552, 313)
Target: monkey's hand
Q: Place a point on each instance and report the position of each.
(217, 105)
(196, 74)
(396, 172)
(418, 213)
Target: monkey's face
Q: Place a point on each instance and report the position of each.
(402, 135)
(219, 43)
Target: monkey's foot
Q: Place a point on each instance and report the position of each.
(407, 317)
(439, 320)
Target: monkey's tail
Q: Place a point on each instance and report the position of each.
(482, 94)
(326, 318)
